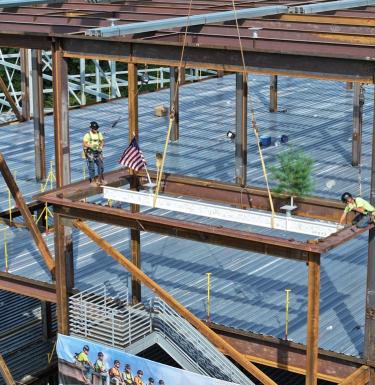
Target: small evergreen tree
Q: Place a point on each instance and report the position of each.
(293, 173)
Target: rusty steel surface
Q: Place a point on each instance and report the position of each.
(28, 287)
(341, 35)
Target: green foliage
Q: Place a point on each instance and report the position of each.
(293, 173)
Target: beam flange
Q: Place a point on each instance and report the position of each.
(360, 377)
(28, 287)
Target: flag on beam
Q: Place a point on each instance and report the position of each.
(132, 157)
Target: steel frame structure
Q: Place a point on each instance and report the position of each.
(288, 44)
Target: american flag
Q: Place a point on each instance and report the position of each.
(132, 157)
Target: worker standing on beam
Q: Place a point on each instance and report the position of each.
(364, 210)
(93, 143)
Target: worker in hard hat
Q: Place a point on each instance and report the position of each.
(83, 360)
(363, 209)
(93, 143)
(100, 368)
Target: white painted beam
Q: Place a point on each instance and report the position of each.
(251, 217)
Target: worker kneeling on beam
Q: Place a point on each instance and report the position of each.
(93, 143)
(364, 210)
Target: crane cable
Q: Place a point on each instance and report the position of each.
(172, 115)
(254, 123)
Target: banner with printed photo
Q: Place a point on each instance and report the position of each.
(86, 362)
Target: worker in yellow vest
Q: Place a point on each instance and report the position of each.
(83, 360)
(363, 209)
(93, 143)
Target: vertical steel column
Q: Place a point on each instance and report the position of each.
(312, 338)
(349, 85)
(25, 84)
(61, 115)
(220, 73)
(273, 93)
(369, 348)
(38, 116)
(358, 101)
(241, 129)
(82, 78)
(46, 310)
(62, 271)
(112, 66)
(63, 235)
(135, 235)
(174, 102)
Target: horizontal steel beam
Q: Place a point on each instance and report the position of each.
(307, 59)
(330, 6)
(28, 287)
(287, 355)
(177, 22)
(226, 237)
(21, 3)
(251, 217)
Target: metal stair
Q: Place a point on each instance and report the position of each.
(104, 314)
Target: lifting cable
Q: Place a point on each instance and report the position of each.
(253, 121)
(172, 115)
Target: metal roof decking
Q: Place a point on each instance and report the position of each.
(246, 294)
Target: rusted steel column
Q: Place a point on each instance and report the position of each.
(61, 115)
(46, 311)
(5, 372)
(241, 129)
(273, 93)
(174, 103)
(358, 101)
(62, 147)
(25, 84)
(369, 348)
(312, 338)
(64, 267)
(220, 73)
(135, 235)
(38, 115)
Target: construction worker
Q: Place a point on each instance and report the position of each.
(127, 375)
(364, 210)
(99, 368)
(150, 381)
(138, 378)
(115, 374)
(93, 143)
(83, 360)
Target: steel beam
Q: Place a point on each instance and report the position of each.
(21, 3)
(312, 338)
(62, 149)
(63, 268)
(358, 102)
(369, 343)
(29, 220)
(330, 6)
(242, 240)
(38, 115)
(5, 372)
(174, 102)
(240, 139)
(214, 17)
(61, 115)
(28, 287)
(219, 342)
(360, 377)
(135, 234)
(25, 84)
(309, 59)
(273, 93)
(287, 355)
(46, 312)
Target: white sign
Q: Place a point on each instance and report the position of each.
(251, 217)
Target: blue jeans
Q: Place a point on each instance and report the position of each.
(362, 220)
(95, 158)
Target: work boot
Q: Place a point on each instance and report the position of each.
(93, 182)
(102, 181)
